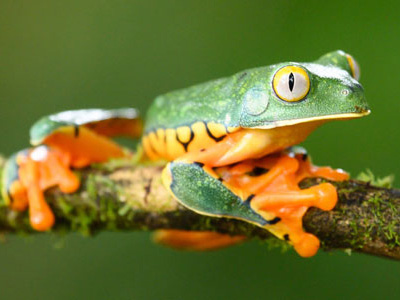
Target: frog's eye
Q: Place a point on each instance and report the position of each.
(291, 83)
(355, 69)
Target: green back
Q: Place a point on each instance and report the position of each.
(215, 101)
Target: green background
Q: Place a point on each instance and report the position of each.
(58, 55)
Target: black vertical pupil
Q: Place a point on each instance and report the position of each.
(291, 81)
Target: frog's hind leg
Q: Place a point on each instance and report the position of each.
(195, 240)
(264, 192)
(28, 174)
(73, 139)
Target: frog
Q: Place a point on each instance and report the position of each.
(229, 148)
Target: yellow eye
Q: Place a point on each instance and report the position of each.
(355, 69)
(291, 83)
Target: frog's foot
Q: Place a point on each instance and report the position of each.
(272, 184)
(37, 170)
(289, 207)
(195, 240)
(73, 139)
(41, 168)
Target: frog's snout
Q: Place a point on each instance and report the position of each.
(362, 110)
(354, 95)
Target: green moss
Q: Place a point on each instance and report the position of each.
(368, 176)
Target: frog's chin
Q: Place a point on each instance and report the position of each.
(319, 119)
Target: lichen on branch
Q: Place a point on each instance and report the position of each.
(122, 196)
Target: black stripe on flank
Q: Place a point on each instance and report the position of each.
(198, 164)
(248, 200)
(185, 145)
(286, 237)
(76, 131)
(274, 221)
(217, 139)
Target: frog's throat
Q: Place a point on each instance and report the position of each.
(252, 144)
(327, 118)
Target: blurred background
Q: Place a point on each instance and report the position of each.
(58, 55)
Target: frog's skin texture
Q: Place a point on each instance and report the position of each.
(227, 142)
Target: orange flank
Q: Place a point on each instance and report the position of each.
(195, 240)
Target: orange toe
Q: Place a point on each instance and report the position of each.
(307, 245)
(326, 196)
(40, 214)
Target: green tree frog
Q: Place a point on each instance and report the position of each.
(227, 144)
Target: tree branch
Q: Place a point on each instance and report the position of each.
(123, 196)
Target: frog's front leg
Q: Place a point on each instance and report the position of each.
(263, 192)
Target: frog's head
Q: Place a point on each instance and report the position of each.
(293, 93)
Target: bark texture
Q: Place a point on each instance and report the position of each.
(121, 195)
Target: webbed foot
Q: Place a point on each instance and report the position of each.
(272, 183)
(37, 170)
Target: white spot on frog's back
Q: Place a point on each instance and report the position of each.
(256, 101)
(330, 72)
(84, 116)
(39, 153)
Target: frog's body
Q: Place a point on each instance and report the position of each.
(215, 136)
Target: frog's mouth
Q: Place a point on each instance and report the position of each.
(322, 119)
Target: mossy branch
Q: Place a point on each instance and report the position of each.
(123, 196)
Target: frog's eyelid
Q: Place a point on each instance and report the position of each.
(354, 67)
